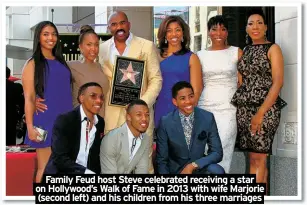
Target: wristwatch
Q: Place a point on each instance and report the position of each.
(194, 165)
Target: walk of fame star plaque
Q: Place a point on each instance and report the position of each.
(127, 80)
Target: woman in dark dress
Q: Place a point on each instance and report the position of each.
(261, 74)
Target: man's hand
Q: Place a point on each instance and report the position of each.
(39, 105)
(188, 169)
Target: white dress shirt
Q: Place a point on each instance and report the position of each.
(114, 50)
(85, 146)
(137, 145)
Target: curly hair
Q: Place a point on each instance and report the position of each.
(162, 35)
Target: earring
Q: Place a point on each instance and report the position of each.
(265, 38)
(165, 41)
(209, 41)
(96, 59)
(81, 57)
(226, 42)
(182, 40)
(246, 39)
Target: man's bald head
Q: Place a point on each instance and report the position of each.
(119, 26)
(115, 13)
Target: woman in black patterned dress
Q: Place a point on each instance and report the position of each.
(261, 74)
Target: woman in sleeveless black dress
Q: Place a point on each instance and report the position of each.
(257, 98)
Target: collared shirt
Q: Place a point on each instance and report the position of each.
(85, 146)
(187, 125)
(114, 50)
(138, 141)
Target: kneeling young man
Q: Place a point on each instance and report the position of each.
(77, 135)
(125, 150)
(182, 136)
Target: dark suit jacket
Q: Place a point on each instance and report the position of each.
(66, 142)
(172, 150)
(14, 109)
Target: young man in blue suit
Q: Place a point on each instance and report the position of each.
(182, 136)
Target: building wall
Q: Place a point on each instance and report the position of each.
(60, 15)
(18, 34)
(200, 34)
(199, 39)
(83, 15)
(18, 19)
(101, 17)
(21, 22)
(141, 19)
(37, 14)
(286, 36)
(284, 164)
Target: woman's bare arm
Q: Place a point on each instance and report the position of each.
(240, 53)
(196, 76)
(29, 94)
(277, 65)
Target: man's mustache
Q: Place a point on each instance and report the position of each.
(120, 30)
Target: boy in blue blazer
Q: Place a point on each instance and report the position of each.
(183, 134)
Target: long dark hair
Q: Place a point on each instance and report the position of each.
(185, 45)
(40, 60)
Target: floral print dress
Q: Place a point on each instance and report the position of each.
(255, 68)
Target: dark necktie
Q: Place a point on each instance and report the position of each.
(187, 131)
(133, 145)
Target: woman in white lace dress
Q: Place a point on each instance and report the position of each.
(219, 66)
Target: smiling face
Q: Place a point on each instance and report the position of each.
(90, 47)
(256, 28)
(92, 99)
(218, 34)
(138, 119)
(174, 34)
(185, 101)
(48, 38)
(119, 26)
